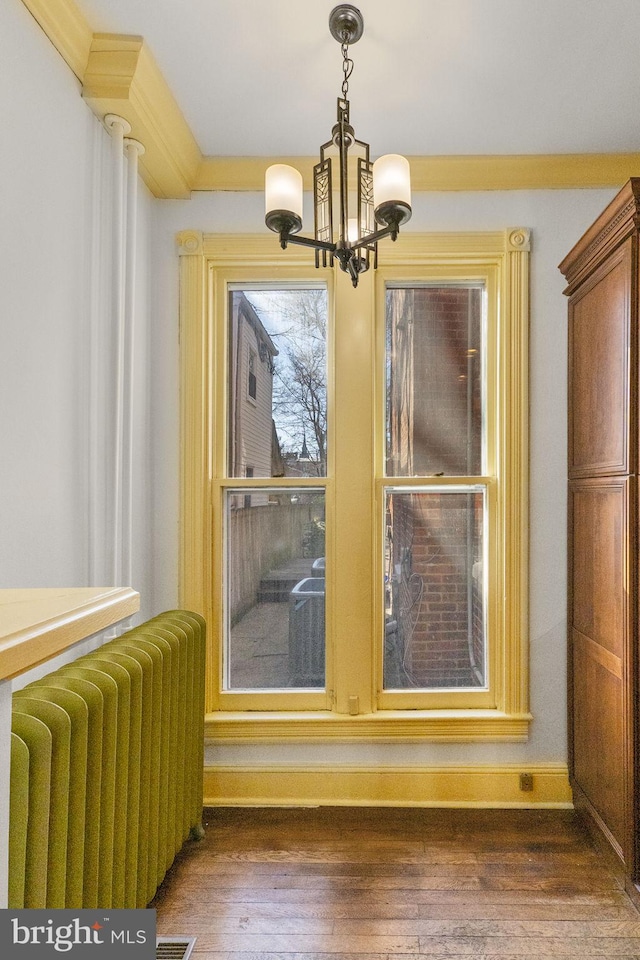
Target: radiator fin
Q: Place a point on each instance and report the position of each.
(58, 721)
(18, 816)
(107, 768)
(37, 736)
(76, 709)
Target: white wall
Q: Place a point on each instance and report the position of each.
(557, 220)
(55, 197)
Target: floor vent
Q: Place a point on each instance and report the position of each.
(174, 948)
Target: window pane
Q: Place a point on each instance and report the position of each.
(434, 380)
(434, 589)
(275, 589)
(277, 391)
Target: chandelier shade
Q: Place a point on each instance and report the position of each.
(391, 188)
(283, 192)
(382, 189)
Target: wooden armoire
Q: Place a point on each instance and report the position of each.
(603, 274)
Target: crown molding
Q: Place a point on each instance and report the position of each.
(120, 76)
(67, 29)
(616, 222)
(455, 173)
(123, 78)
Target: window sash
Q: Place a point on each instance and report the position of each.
(485, 696)
(415, 332)
(433, 591)
(266, 673)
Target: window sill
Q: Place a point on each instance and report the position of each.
(451, 726)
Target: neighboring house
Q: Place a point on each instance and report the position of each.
(251, 356)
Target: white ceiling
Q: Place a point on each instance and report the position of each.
(261, 77)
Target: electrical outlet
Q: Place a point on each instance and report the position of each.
(526, 781)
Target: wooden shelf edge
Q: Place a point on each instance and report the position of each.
(38, 624)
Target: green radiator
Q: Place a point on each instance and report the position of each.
(106, 769)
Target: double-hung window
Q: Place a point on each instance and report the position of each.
(354, 508)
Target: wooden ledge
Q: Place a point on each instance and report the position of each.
(37, 624)
(391, 726)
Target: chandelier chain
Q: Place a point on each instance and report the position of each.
(347, 68)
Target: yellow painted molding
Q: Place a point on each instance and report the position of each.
(246, 173)
(233, 250)
(194, 562)
(123, 78)
(120, 76)
(445, 726)
(472, 786)
(189, 243)
(67, 29)
(455, 173)
(519, 240)
(514, 433)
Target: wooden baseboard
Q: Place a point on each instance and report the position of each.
(605, 843)
(603, 840)
(473, 786)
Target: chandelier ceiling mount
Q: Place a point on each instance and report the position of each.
(346, 23)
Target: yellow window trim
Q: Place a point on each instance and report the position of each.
(207, 261)
(387, 726)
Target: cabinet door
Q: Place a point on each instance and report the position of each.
(600, 360)
(600, 662)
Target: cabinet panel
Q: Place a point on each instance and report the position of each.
(598, 511)
(601, 680)
(599, 370)
(598, 739)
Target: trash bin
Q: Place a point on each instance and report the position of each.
(306, 633)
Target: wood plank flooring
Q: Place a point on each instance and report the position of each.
(386, 883)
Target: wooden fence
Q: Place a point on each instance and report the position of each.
(264, 538)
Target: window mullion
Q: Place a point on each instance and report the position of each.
(352, 548)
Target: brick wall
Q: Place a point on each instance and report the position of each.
(438, 603)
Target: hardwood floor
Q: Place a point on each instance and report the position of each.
(383, 883)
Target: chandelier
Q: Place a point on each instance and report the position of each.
(382, 194)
